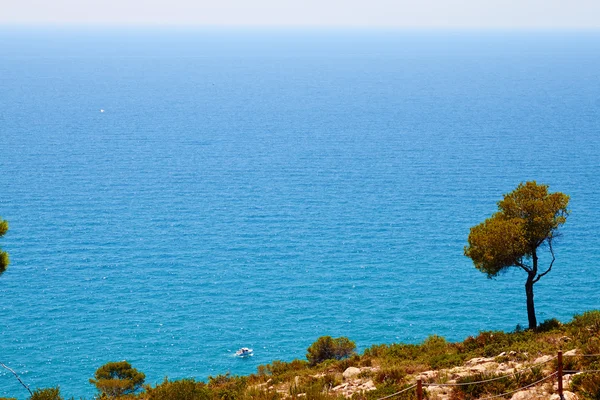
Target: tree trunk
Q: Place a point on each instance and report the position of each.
(530, 305)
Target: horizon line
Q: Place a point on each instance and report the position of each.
(297, 27)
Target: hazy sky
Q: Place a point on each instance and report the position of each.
(360, 13)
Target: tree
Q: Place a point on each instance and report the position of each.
(328, 348)
(3, 255)
(528, 219)
(46, 394)
(116, 379)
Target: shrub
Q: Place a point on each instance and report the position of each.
(328, 348)
(587, 385)
(548, 325)
(470, 392)
(227, 387)
(184, 389)
(46, 394)
(391, 375)
(278, 367)
(115, 379)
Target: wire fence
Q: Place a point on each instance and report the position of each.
(496, 378)
(398, 393)
(419, 385)
(558, 374)
(521, 388)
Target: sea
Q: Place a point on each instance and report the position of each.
(176, 194)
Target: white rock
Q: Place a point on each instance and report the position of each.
(567, 396)
(570, 353)
(351, 372)
(542, 359)
(368, 386)
(529, 395)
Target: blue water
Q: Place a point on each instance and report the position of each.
(264, 188)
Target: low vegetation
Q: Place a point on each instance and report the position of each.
(387, 368)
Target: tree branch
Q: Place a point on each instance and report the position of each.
(523, 266)
(17, 376)
(551, 262)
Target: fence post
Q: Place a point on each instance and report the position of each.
(419, 389)
(560, 375)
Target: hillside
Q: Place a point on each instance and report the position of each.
(520, 365)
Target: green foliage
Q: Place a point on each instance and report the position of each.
(390, 375)
(4, 260)
(328, 348)
(227, 387)
(549, 325)
(184, 389)
(496, 384)
(527, 218)
(387, 390)
(315, 387)
(587, 385)
(278, 367)
(115, 379)
(46, 394)
(587, 320)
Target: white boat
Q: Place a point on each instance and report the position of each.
(244, 352)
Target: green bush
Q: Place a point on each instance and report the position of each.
(278, 367)
(184, 389)
(393, 375)
(328, 348)
(46, 394)
(475, 391)
(548, 325)
(227, 387)
(115, 379)
(587, 385)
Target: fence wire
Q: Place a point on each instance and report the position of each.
(519, 389)
(572, 371)
(496, 378)
(397, 393)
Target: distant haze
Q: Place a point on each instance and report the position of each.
(495, 14)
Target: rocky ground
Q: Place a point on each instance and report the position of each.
(438, 383)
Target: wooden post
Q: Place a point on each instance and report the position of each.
(419, 389)
(560, 375)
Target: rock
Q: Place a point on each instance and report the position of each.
(438, 391)
(340, 387)
(570, 353)
(503, 354)
(351, 372)
(484, 367)
(520, 396)
(367, 386)
(542, 359)
(566, 382)
(567, 395)
(565, 339)
(531, 394)
(478, 360)
(428, 376)
(512, 353)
